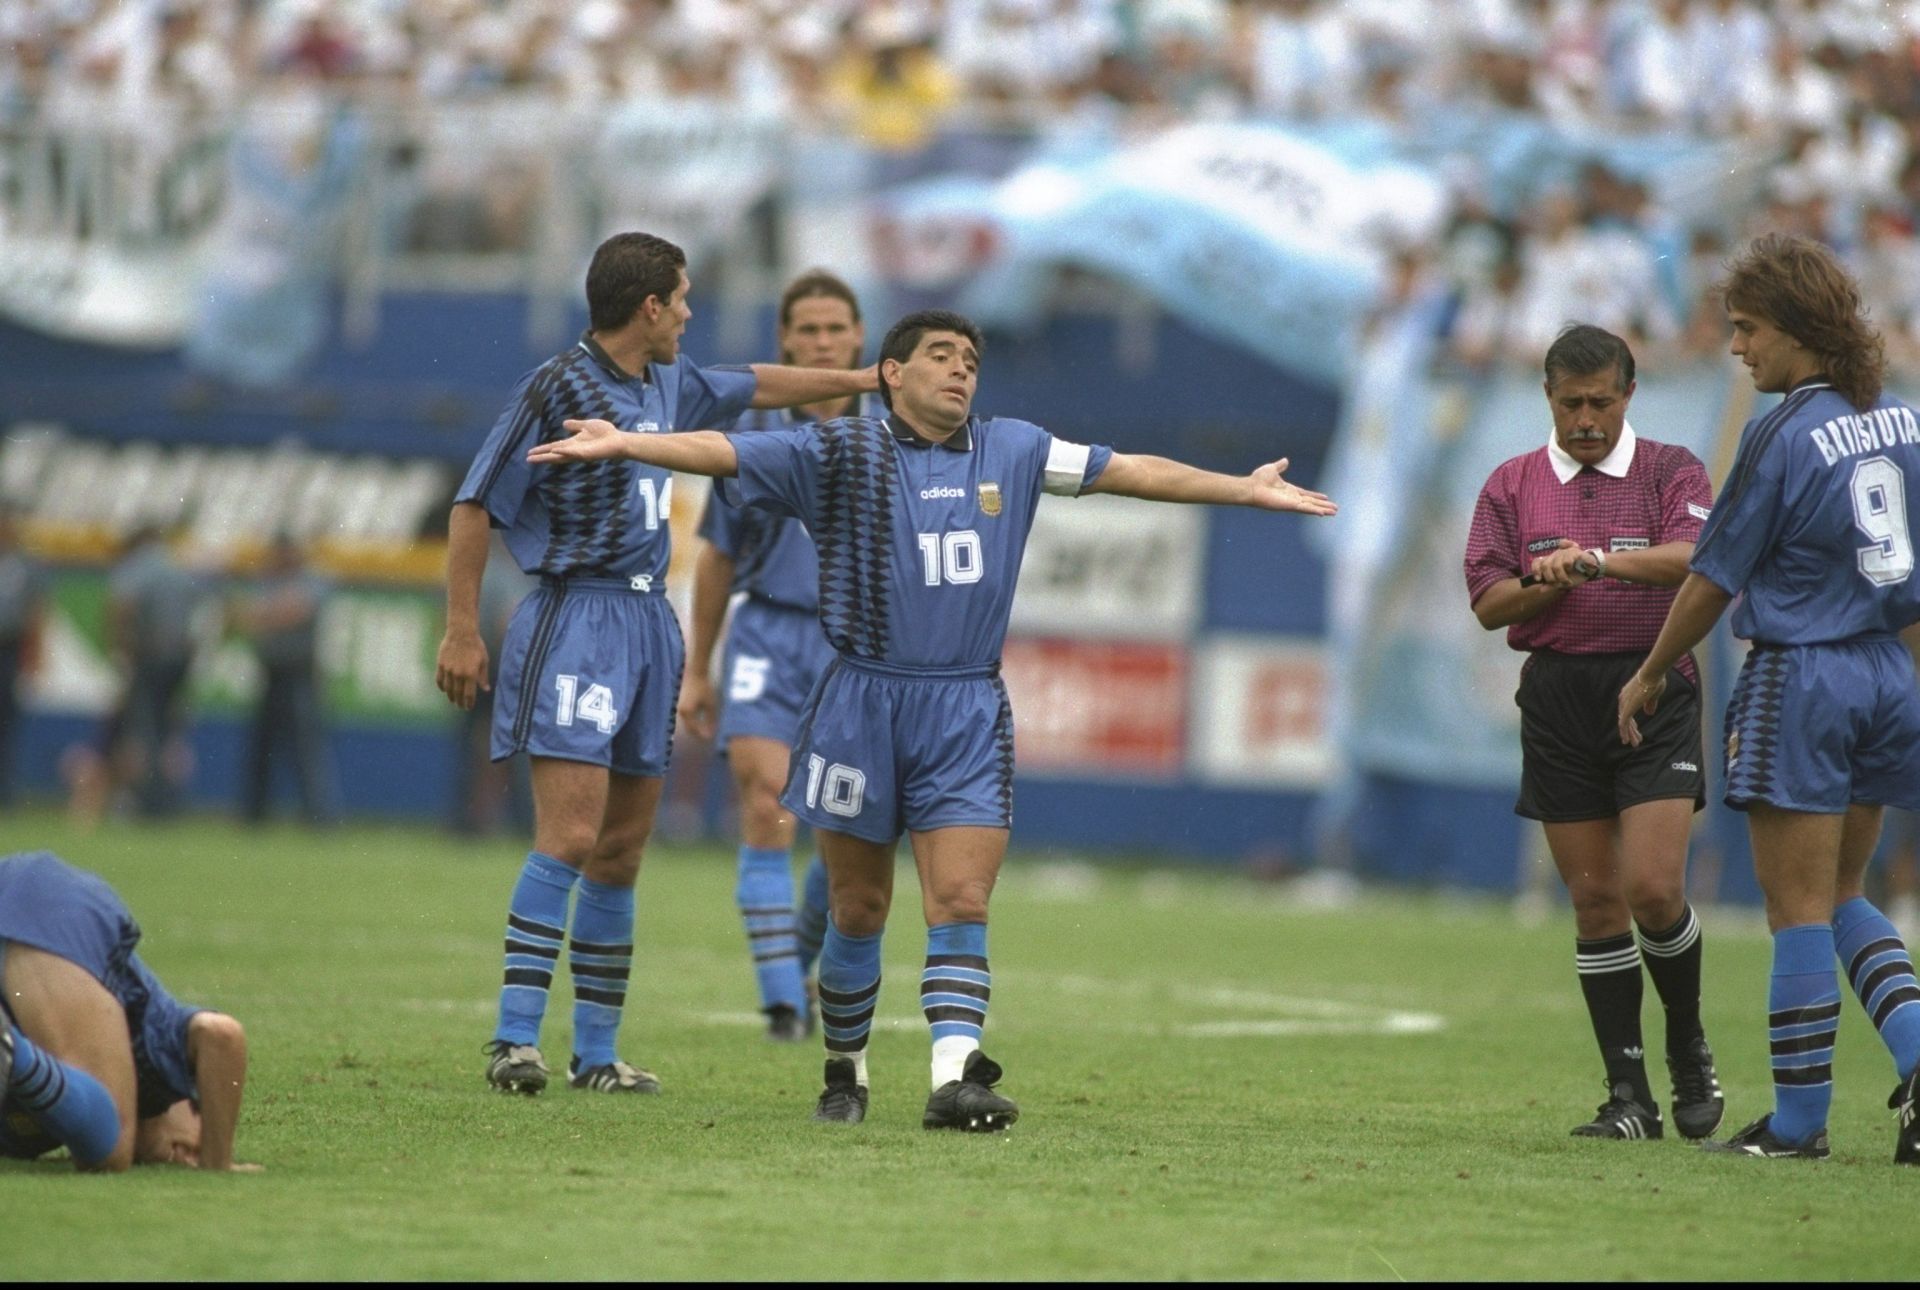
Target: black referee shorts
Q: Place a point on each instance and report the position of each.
(1572, 763)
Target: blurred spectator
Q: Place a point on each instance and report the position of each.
(482, 786)
(23, 596)
(152, 601)
(891, 82)
(281, 613)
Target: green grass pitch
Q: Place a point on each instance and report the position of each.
(1213, 1085)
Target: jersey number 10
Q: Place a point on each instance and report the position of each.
(951, 557)
(1880, 511)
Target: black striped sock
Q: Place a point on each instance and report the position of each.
(1610, 979)
(1673, 961)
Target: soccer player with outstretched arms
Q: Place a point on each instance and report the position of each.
(1814, 531)
(920, 519)
(591, 662)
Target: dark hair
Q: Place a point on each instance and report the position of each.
(815, 284)
(626, 269)
(904, 337)
(1581, 349)
(1800, 287)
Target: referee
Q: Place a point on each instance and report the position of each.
(1603, 523)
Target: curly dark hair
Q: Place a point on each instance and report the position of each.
(1801, 287)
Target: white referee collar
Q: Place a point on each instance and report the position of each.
(1615, 463)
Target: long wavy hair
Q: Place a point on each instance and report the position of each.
(1801, 287)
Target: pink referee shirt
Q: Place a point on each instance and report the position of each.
(1642, 495)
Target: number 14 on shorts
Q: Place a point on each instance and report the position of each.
(594, 703)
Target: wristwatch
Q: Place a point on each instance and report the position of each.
(1599, 559)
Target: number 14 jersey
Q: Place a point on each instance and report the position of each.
(1815, 523)
(920, 543)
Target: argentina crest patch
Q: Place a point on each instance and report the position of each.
(989, 499)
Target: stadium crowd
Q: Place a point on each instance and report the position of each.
(1819, 97)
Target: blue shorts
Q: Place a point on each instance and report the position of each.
(590, 672)
(1817, 728)
(774, 658)
(52, 906)
(880, 752)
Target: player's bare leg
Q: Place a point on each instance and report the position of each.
(958, 869)
(859, 894)
(1653, 862)
(71, 1018)
(1586, 852)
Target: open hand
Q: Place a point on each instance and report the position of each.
(594, 440)
(1273, 493)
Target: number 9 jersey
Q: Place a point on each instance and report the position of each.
(1815, 531)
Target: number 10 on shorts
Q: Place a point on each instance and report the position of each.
(595, 704)
(845, 786)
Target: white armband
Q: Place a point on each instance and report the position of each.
(1066, 467)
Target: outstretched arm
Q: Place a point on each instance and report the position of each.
(217, 1047)
(1158, 479)
(697, 452)
(778, 386)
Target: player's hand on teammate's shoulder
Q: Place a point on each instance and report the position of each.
(590, 440)
(1565, 566)
(1271, 491)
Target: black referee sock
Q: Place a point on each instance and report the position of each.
(1673, 961)
(1610, 979)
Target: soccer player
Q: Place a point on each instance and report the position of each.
(95, 1055)
(920, 520)
(1813, 531)
(775, 652)
(590, 665)
(1604, 521)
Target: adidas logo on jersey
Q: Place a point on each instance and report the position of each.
(934, 494)
(1685, 765)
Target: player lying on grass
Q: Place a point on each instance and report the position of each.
(920, 519)
(95, 1055)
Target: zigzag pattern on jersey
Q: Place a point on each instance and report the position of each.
(587, 500)
(854, 534)
(1003, 744)
(1754, 717)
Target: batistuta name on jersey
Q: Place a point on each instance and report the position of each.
(1849, 436)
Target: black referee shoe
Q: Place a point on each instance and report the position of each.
(1906, 1101)
(1757, 1140)
(844, 1100)
(1622, 1117)
(969, 1103)
(1698, 1104)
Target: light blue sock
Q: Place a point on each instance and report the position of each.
(536, 925)
(1881, 970)
(849, 988)
(764, 893)
(600, 954)
(70, 1104)
(1803, 1005)
(956, 984)
(810, 920)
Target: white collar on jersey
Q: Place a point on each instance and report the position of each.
(1615, 463)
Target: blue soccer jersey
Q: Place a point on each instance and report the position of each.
(919, 543)
(602, 518)
(773, 558)
(1814, 526)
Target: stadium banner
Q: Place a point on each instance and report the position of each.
(1259, 712)
(376, 648)
(1253, 233)
(1100, 709)
(1110, 567)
